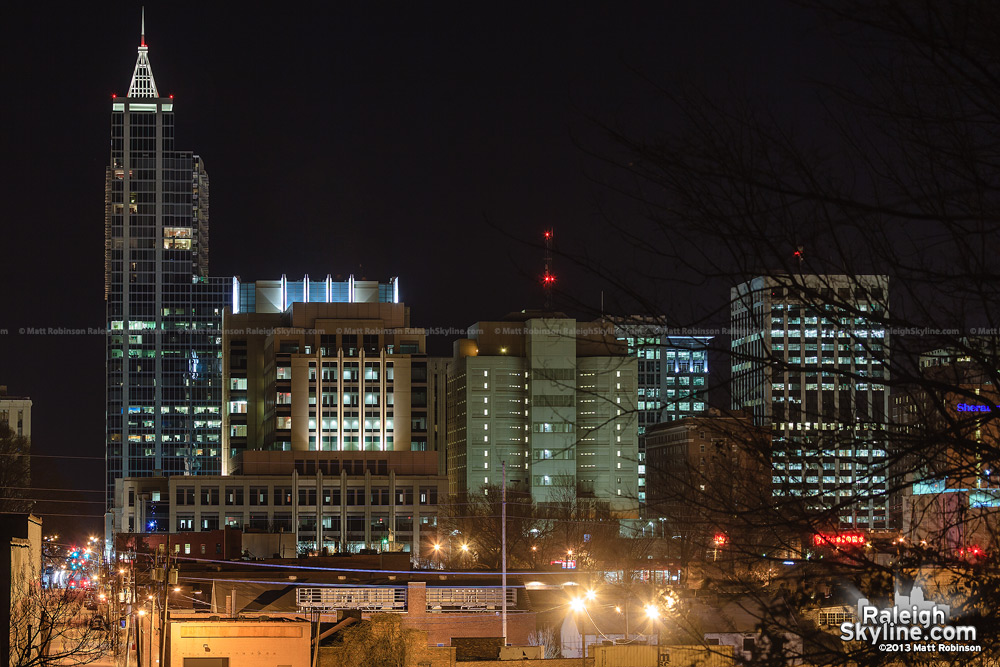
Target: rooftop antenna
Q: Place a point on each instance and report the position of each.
(548, 278)
(142, 33)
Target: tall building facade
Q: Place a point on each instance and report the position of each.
(325, 377)
(672, 378)
(551, 398)
(808, 361)
(163, 310)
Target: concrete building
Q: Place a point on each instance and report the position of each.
(256, 642)
(15, 412)
(809, 357)
(552, 398)
(20, 604)
(324, 377)
(338, 501)
(702, 471)
(445, 606)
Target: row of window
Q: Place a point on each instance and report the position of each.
(308, 496)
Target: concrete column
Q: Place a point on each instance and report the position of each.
(319, 511)
(295, 508)
(368, 507)
(343, 508)
(392, 507)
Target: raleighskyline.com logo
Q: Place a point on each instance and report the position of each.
(913, 625)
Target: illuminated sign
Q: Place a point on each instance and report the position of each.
(565, 563)
(840, 540)
(720, 539)
(968, 407)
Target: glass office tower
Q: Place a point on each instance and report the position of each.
(809, 361)
(164, 389)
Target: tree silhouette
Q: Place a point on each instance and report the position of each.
(879, 237)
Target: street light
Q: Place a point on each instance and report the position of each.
(652, 612)
(579, 605)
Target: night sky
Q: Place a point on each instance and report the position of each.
(427, 141)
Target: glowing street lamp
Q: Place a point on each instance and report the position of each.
(652, 612)
(578, 605)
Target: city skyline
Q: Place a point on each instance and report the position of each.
(551, 104)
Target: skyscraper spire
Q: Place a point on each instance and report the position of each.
(143, 84)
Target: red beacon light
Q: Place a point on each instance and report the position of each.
(720, 539)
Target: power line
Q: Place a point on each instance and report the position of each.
(55, 456)
(53, 500)
(99, 516)
(38, 488)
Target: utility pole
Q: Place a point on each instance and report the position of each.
(166, 601)
(503, 550)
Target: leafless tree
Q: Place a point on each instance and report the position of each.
(381, 641)
(903, 182)
(478, 519)
(15, 471)
(52, 626)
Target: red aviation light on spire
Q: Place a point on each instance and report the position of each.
(548, 279)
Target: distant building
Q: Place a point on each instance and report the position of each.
(163, 311)
(808, 362)
(325, 376)
(20, 604)
(703, 470)
(340, 502)
(552, 398)
(672, 377)
(945, 486)
(275, 296)
(15, 412)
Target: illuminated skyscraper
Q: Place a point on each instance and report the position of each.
(164, 390)
(809, 361)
